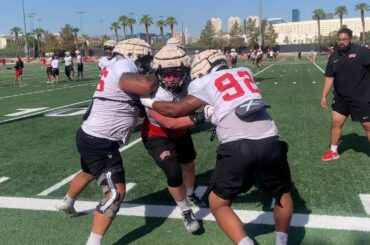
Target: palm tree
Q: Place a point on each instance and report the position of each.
(123, 21)
(146, 20)
(160, 25)
(115, 26)
(341, 11)
(363, 7)
(75, 30)
(16, 31)
(318, 14)
(38, 32)
(130, 23)
(171, 21)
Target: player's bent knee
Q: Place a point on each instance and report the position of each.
(172, 170)
(110, 204)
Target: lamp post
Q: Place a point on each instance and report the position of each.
(260, 27)
(101, 24)
(81, 13)
(30, 15)
(25, 33)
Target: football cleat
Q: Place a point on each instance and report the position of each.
(195, 201)
(67, 208)
(330, 155)
(191, 224)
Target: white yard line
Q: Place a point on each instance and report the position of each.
(42, 112)
(44, 91)
(164, 211)
(365, 200)
(3, 179)
(262, 70)
(69, 178)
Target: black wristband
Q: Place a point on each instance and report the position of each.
(197, 117)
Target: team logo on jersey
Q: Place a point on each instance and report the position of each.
(352, 56)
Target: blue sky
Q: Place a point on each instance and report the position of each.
(191, 14)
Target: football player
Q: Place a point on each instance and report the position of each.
(80, 65)
(108, 124)
(109, 57)
(49, 72)
(169, 141)
(250, 148)
(68, 65)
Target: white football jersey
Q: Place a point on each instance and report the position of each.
(233, 55)
(79, 59)
(48, 61)
(55, 64)
(104, 61)
(225, 90)
(162, 94)
(68, 60)
(114, 120)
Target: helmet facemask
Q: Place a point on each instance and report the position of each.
(108, 51)
(172, 78)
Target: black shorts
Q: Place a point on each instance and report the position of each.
(99, 155)
(234, 61)
(55, 72)
(240, 163)
(182, 148)
(358, 112)
(49, 71)
(80, 67)
(68, 69)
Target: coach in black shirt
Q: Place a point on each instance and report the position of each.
(349, 70)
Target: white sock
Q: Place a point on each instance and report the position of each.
(94, 239)
(281, 238)
(183, 205)
(189, 191)
(246, 241)
(68, 199)
(334, 148)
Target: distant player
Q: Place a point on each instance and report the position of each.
(18, 71)
(80, 65)
(109, 57)
(68, 68)
(55, 69)
(233, 57)
(49, 73)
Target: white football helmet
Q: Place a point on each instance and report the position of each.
(206, 62)
(77, 52)
(108, 47)
(67, 53)
(173, 41)
(171, 60)
(136, 50)
(47, 55)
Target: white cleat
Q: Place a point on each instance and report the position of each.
(68, 209)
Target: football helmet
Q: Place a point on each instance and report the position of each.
(77, 52)
(171, 60)
(173, 41)
(67, 53)
(138, 51)
(206, 62)
(108, 47)
(47, 55)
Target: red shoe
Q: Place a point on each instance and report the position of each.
(330, 155)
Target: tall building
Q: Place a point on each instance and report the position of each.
(296, 15)
(217, 24)
(231, 21)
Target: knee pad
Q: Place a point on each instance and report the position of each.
(109, 206)
(172, 170)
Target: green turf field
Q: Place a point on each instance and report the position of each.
(38, 158)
